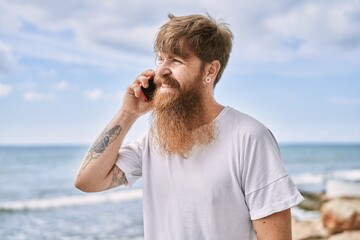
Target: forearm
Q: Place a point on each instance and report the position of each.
(97, 171)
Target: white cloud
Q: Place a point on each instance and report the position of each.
(94, 94)
(7, 59)
(111, 34)
(62, 85)
(72, 31)
(314, 26)
(37, 96)
(99, 94)
(5, 90)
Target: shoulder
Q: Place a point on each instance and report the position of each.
(139, 144)
(243, 124)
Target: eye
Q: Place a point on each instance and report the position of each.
(159, 60)
(177, 61)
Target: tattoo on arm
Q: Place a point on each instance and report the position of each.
(101, 143)
(118, 178)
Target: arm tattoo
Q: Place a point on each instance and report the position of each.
(101, 143)
(118, 178)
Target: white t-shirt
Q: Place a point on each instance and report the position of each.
(218, 190)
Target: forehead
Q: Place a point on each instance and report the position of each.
(185, 55)
(188, 60)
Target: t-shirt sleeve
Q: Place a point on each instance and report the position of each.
(265, 182)
(130, 159)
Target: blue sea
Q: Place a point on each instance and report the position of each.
(38, 199)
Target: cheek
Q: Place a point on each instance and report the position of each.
(187, 78)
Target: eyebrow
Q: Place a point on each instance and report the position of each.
(171, 56)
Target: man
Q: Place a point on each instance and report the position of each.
(209, 171)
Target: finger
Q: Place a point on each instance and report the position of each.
(136, 89)
(148, 72)
(142, 81)
(145, 76)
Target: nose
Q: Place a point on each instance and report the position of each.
(163, 69)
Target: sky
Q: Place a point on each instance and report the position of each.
(64, 65)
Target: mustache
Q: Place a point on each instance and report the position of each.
(167, 80)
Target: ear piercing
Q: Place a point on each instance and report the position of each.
(208, 79)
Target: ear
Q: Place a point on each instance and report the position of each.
(212, 70)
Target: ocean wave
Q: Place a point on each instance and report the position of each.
(321, 178)
(351, 175)
(65, 201)
(134, 194)
(308, 178)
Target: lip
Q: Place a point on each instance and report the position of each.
(166, 88)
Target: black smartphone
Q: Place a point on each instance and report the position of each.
(149, 91)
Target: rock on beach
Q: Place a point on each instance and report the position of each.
(339, 219)
(341, 214)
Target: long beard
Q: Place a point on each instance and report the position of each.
(179, 120)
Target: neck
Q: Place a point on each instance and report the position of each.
(212, 109)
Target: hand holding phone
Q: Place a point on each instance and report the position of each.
(149, 91)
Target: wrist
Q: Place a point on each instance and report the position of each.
(127, 114)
